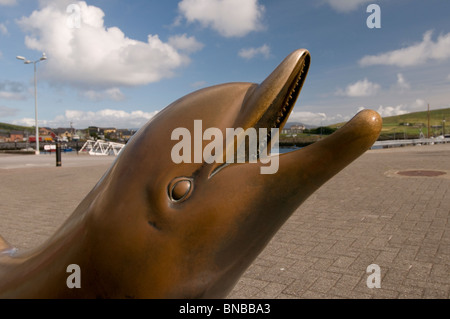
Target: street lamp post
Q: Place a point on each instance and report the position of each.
(43, 58)
(443, 127)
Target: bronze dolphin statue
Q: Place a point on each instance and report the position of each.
(152, 228)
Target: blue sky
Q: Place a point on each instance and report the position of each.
(117, 63)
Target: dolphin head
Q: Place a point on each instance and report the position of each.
(161, 229)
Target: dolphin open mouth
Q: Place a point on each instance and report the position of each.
(292, 96)
(273, 100)
(282, 108)
(266, 109)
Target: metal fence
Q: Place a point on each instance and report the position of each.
(419, 141)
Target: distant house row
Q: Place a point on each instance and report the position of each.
(67, 134)
(110, 133)
(293, 129)
(11, 136)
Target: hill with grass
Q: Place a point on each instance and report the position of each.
(410, 125)
(12, 127)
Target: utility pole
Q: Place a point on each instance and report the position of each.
(443, 126)
(428, 121)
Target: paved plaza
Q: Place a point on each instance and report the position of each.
(367, 214)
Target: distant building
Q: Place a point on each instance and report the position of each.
(95, 130)
(64, 133)
(47, 134)
(125, 134)
(4, 136)
(297, 128)
(109, 130)
(11, 136)
(293, 129)
(16, 136)
(45, 131)
(82, 134)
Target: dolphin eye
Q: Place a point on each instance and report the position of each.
(180, 189)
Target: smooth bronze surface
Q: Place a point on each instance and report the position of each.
(152, 228)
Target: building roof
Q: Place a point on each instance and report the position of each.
(15, 132)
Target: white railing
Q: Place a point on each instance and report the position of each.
(419, 141)
(102, 148)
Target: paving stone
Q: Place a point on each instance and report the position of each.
(360, 217)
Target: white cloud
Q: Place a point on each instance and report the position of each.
(114, 94)
(386, 111)
(402, 83)
(94, 55)
(8, 2)
(309, 118)
(3, 29)
(12, 96)
(448, 77)
(316, 119)
(346, 5)
(250, 53)
(11, 90)
(419, 53)
(102, 118)
(360, 89)
(27, 121)
(185, 43)
(7, 111)
(231, 18)
(418, 104)
(198, 84)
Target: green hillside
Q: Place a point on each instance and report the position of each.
(11, 127)
(410, 125)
